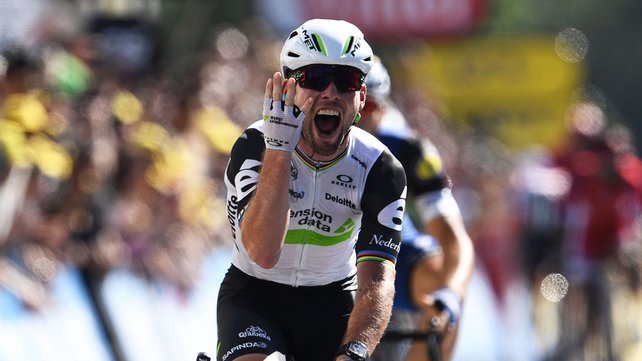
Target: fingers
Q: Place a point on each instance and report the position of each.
(442, 323)
(290, 90)
(307, 105)
(433, 318)
(268, 88)
(277, 91)
(275, 87)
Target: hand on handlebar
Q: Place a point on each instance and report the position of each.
(441, 332)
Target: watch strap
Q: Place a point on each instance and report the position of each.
(349, 348)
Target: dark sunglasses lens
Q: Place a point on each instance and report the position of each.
(318, 77)
(347, 79)
(315, 78)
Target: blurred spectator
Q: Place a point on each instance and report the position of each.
(111, 183)
(103, 171)
(599, 211)
(436, 260)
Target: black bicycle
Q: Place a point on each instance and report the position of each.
(431, 337)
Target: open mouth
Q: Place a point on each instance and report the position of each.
(327, 121)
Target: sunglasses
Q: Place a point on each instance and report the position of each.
(317, 77)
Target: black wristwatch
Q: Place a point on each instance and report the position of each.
(356, 350)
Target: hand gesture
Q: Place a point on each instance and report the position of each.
(282, 119)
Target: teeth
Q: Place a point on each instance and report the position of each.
(328, 112)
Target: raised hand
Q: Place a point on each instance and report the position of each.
(282, 119)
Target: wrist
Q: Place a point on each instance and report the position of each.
(353, 351)
(449, 301)
(277, 160)
(286, 148)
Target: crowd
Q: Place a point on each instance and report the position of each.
(108, 164)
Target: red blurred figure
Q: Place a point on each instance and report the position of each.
(599, 221)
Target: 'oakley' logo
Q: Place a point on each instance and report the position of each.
(344, 180)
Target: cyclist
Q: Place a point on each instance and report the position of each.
(315, 207)
(436, 260)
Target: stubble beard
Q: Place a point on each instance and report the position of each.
(324, 150)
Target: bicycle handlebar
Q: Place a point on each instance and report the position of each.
(431, 337)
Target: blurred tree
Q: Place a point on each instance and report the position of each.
(614, 32)
(612, 28)
(187, 27)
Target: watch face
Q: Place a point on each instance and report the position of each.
(358, 349)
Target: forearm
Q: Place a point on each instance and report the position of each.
(265, 222)
(373, 304)
(458, 252)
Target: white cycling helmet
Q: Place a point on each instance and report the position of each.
(326, 41)
(378, 80)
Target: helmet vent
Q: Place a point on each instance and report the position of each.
(293, 55)
(293, 34)
(318, 43)
(348, 45)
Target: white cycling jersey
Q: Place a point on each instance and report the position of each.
(355, 202)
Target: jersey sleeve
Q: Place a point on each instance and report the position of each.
(243, 168)
(383, 203)
(429, 187)
(424, 167)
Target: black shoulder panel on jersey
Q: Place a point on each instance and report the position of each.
(384, 189)
(385, 183)
(249, 145)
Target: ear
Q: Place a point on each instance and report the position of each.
(362, 96)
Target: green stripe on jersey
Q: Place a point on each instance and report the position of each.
(306, 236)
